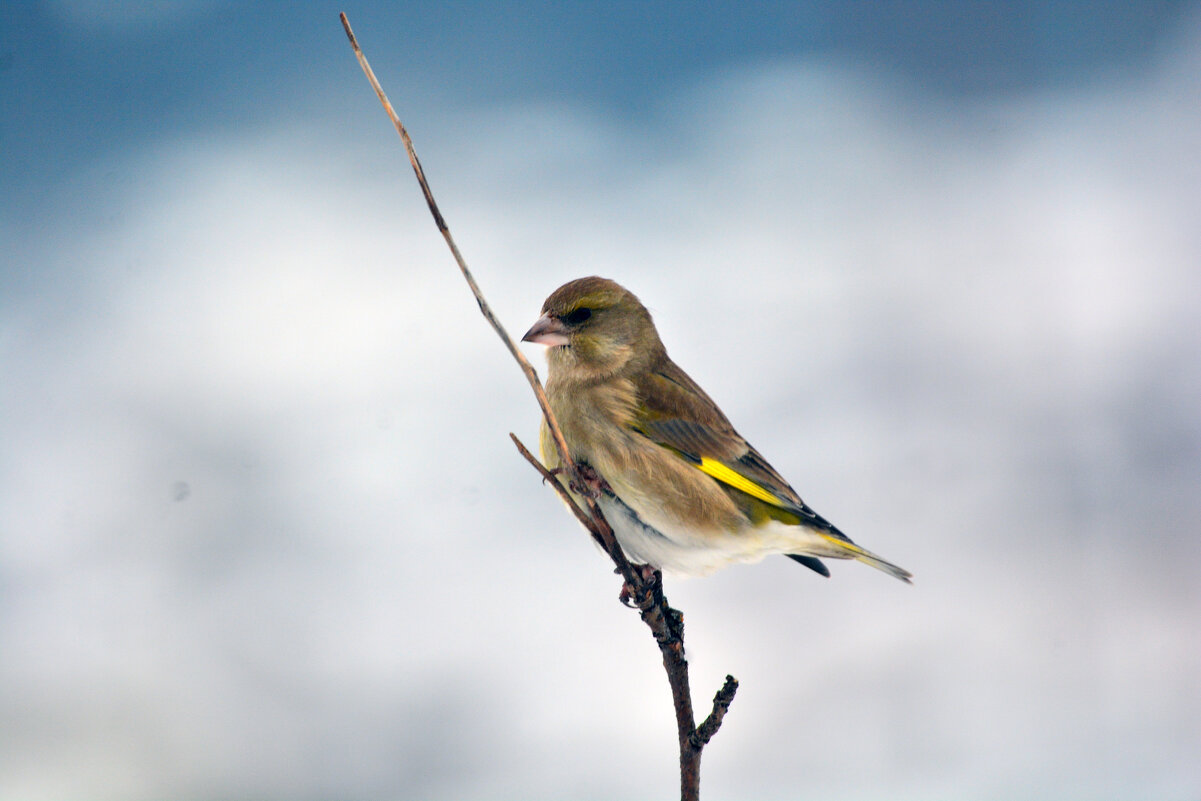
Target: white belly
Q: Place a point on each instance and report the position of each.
(650, 539)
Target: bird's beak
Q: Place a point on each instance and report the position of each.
(548, 331)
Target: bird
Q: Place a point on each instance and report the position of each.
(682, 490)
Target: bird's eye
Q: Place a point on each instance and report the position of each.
(578, 316)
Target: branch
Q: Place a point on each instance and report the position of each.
(547, 476)
(485, 309)
(643, 586)
(721, 705)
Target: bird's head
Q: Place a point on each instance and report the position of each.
(595, 328)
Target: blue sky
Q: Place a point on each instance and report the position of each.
(83, 79)
(262, 532)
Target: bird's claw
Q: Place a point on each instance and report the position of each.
(588, 482)
(646, 577)
(582, 489)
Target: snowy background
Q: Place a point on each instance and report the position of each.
(262, 532)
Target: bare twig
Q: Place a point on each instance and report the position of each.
(643, 587)
(548, 477)
(721, 705)
(530, 374)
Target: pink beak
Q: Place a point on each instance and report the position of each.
(548, 331)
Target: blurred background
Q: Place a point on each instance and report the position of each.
(262, 531)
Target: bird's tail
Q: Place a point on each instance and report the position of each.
(845, 549)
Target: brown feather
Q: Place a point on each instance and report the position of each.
(628, 411)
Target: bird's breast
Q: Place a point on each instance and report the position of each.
(593, 418)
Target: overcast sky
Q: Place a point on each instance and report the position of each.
(262, 532)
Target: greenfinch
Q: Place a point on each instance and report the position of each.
(681, 489)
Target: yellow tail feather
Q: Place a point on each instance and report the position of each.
(844, 549)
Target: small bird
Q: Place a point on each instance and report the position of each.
(681, 489)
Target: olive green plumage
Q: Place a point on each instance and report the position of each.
(685, 492)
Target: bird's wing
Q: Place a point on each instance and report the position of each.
(677, 414)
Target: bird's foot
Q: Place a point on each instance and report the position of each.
(588, 482)
(647, 576)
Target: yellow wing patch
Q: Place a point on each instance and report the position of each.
(738, 481)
